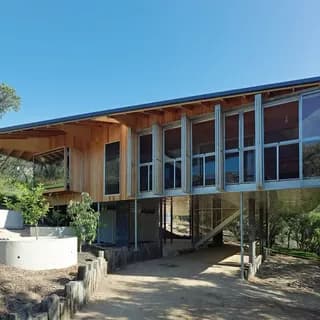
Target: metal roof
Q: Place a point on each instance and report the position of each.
(208, 96)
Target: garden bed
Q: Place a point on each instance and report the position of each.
(19, 287)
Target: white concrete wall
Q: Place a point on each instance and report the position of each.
(52, 232)
(42, 254)
(10, 219)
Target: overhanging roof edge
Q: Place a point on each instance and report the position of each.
(208, 96)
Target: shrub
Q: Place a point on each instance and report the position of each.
(84, 219)
(31, 202)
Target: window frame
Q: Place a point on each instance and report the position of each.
(104, 169)
(145, 164)
(277, 145)
(173, 125)
(302, 140)
(241, 148)
(203, 156)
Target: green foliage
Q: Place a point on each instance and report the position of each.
(9, 100)
(30, 202)
(84, 219)
(56, 218)
(297, 219)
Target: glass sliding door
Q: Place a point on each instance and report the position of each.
(203, 155)
(240, 148)
(145, 163)
(281, 141)
(172, 158)
(232, 162)
(311, 135)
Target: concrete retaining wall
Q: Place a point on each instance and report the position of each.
(52, 231)
(77, 293)
(42, 254)
(10, 219)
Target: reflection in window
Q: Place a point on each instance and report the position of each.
(270, 163)
(112, 172)
(49, 169)
(249, 166)
(169, 175)
(210, 172)
(281, 122)
(172, 139)
(144, 184)
(311, 159)
(311, 116)
(281, 131)
(203, 137)
(203, 148)
(289, 161)
(232, 132)
(172, 167)
(249, 129)
(311, 135)
(197, 171)
(145, 158)
(232, 167)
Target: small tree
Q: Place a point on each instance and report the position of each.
(30, 202)
(84, 219)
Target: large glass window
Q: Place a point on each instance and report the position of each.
(240, 148)
(145, 163)
(172, 154)
(281, 141)
(50, 169)
(203, 156)
(112, 168)
(311, 135)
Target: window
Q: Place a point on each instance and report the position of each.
(172, 153)
(145, 163)
(311, 135)
(52, 169)
(203, 156)
(281, 141)
(240, 148)
(112, 164)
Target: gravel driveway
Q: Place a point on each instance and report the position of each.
(200, 285)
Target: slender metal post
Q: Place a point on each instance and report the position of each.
(241, 236)
(135, 225)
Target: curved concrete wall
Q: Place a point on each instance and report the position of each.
(53, 232)
(10, 219)
(42, 254)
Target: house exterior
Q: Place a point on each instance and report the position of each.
(180, 164)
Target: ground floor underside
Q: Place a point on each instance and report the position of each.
(178, 224)
(204, 285)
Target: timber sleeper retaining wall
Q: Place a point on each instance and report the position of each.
(77, 294)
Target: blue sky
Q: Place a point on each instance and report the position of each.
(70, 57)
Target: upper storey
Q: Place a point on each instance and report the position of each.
(257, 138)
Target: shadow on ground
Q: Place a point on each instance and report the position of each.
(201, 285)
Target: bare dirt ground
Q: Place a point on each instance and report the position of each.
(206, 285)
(20, 287)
